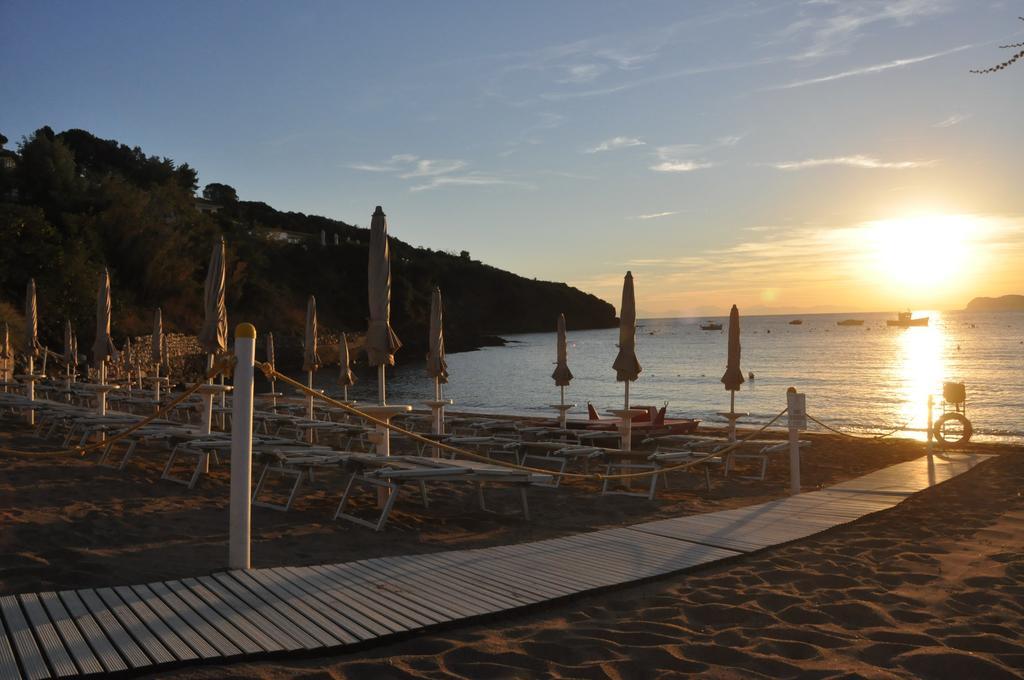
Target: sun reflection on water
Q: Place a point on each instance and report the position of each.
(920, 370)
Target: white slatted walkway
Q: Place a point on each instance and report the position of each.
(245, 614)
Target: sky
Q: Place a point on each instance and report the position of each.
(800, 155)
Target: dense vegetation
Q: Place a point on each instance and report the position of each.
(71, 203)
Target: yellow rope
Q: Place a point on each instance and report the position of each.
(860, 436)
(223, 364)
(271, 373)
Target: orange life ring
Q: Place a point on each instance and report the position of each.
(947, 417)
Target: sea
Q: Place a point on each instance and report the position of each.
(867, 379)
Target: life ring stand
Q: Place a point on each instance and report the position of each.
(947, 417)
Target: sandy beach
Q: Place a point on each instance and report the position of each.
(930, 587)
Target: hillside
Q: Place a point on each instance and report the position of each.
(1004, 303)
(72, 203)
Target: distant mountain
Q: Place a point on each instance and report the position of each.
(72, 203)
(1005, 303)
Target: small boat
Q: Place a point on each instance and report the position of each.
(796, 322)
(850, 322)
(906, 320)
(710, 326)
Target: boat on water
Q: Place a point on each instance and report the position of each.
(906, 320)
(710, 326)
(850, 322)
(796, 322)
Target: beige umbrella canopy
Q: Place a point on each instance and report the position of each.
(345, 376)
(381, 341)
(214, 334)
(562, 374)
(626, 366)
(271, 359)
(103, 345)
(70, 351)
(156, 349)
(310, 356)
(733, 377)
(437, 367)
(31, 321)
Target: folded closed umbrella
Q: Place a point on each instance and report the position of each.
(270, 350)
(103, 346)
(310, 355)
(214, 334)
(31, 321)
(562, 375)
(381, 341)
(70, 358)
(345, 376)
(733, 377)
(626, 366)
(437, 367)
(5, 345)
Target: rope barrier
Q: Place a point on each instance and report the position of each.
(222, 365)
(271, 373)
(859, 436)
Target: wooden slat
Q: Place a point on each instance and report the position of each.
(314, 605)
(307, 617)
(372, 586)
(273, 610)
(201, 636)
(380, 605)
(256, 618)
(467, 566)
(84, 658)
(454, 606)
(33, 664)
(104, 646)
(46, 633)
(8, 662)
(419, 570)
(149, 642)
(177, 635)
(229, 626)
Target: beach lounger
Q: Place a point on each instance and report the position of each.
(391, 472)
(294, 461)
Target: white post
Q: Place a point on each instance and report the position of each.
(240, 515)
(561, 402)
(796, 403)
(381, 392)
(310, 436)
(30, 389)
(439, 411)
(156, 385)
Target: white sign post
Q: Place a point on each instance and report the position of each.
(240, 515)
(796, 404)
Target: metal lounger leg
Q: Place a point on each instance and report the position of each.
(385, 511)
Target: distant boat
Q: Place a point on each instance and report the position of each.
(906, 320)
(850, 322)
(796, 322)
(710, 326)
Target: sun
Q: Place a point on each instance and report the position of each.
(921, 253)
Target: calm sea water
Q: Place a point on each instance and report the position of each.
(863, 379)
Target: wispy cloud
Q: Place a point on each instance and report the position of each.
(680, 166)
(468, 180)
(616, 143)
(433, 173)
(955, 119)
(857, 161)
(831, 27)
(867, 70)
(654, 216)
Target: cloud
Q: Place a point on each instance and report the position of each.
(472, 180)
(429, 168)
(616, 143)
(582, 73)
(654, 216)
(955, 119)
(866, 70)
(680, 166)
(858, 161)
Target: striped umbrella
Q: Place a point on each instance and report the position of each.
(31, 322)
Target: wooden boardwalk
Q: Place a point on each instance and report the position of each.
(247, 614)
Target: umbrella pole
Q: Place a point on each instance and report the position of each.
(30, 389)
(101, 400)
(627, 426)
(309, 405)
(156, 384)
(381, 392)
(561, 401)
(344, 393)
